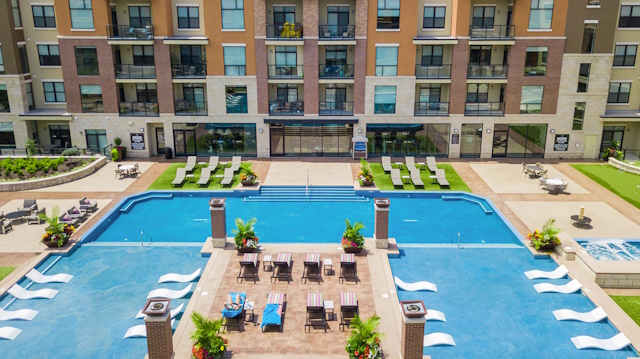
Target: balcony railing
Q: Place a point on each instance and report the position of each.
(284, 32)
(149, 109)
(332, 108)
(179, 71)
(477, 71)
(128, 32)
(135, 72)
(237, 107)
(337, 32)
(95, 107)
(382, 108)
(387, 70)
(431, 109)
(495, 32)
(186, 108)
(533, 108)
(88, 70)
(281, 108)
(235, 70)
(336, 71)
(484, 109)
(433, 71)
(285, 72)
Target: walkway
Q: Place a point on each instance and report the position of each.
(320, 174)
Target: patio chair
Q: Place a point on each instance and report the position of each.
(213, 163)
(348, 267)
(386, 163)
(395, 178)
(282, 267)
(316, 316)
(179, 278)
(228, 177)
(431, 163)
(19, 292)
(442, 178)
(136, 169)
(524, 167)
(191, 163)
(180, 177)
(28, 206)
(35, 218)
(235, 163)
(67, 219)
(542, 173)
(77, 213)
(35, 276)
(205, 176)
(5, 224)
(170, 293)
(415, 178)
(411, 163)
(233, 311)
(311, 269)
(248, 267)
(274, 311)
(348, 308)
(87, 205)
(616, 342)
(543, 181)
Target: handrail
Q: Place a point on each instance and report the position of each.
(130, 71)
(306, 189)
(142, 239)
(285, 71)
(337, 31)
(130, 32)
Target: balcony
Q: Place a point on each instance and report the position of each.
(281, 108)
(285, 72)
(328, 108)
(431, 109)
(284, 32)
(495, 32)
(337, 32)
(530, 108)
(433, 71)
(190, 108)
(477, 71)
(197, 71)
(336, 71)
(135, 72)
(484, 109)
(127, 32)
(147, 109)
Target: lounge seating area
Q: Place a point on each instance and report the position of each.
(209, 174)
(413, 175)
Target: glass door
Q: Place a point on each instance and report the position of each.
(60, 136)
(337, 19)
(471, 140)
(500, 137)
(277, 140)
(184, 142)
(160, 144)
(611, 133)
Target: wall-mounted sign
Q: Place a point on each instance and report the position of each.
(561, 143)
(137, 141)
(455, 139)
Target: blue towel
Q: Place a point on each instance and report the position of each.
(270, 316)
(230, 313)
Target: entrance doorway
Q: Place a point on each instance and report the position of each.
(60, 136)
(184, 142)
(160, 144)
(471, 140)
(611, 133)
(311, 140)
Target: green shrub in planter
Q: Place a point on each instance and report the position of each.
(114, 155)
(71, 152)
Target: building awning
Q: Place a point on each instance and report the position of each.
(319, 121)
(41, 114)
(186, 40)
(621, 116)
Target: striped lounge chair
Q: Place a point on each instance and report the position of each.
(315, 312)
(348, 308)
(274, 311)
(348, 267)
(248, 267)
(282, 267)
(311, 269)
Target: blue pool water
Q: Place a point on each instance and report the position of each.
(612, 249)
(91, 313)
(492, 309)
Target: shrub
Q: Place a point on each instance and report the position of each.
(31, 169)
(117, 141)
(352, 238)
(114, 155)
(71, 152)
(32, 147)
(207, 342)
(364, 341)
(547, 236)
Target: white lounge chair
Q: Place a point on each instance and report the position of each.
(169, 293)
(139, 331)
(568, 288)
(438, 339)
(228, 177)
(9, 333)
(395, 178)
(191, 163)
(593, 316)
(38, 277)
(20, 314)
(235, 163)
(386, 163)
(205, 176)
(412, 287)
(181, 175)
(174, 312)
(431, 163)
(213, 163)
(411, 163)
(435, 315)
(617, 342)
(21, 293)
(558, 273)
(415, 178)
(179, 278)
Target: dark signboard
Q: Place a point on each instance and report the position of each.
(137, 141)
(561, 143)
(455, 139)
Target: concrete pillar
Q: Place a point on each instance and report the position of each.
(413, 320)
(217, 207)
(158, 325)
(381, 228)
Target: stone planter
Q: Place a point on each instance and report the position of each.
(353, 250)
(54, 244)
(547, 247)
(246, 249)
(248, 183)
(367, 183)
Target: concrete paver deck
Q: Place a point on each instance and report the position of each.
(509, 178)
(320, 174)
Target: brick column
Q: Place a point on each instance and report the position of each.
(459, 63)
(159, 336)
(412, 341)
(360, 73)
(162, 55)
(381, 227)
(218, 223)
(310, 33)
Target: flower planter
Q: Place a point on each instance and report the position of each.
(367, 183)
(247, 183)
(54, 244)
(547, 247)
(246, 249)
(353, 249)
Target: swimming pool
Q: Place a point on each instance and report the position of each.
(612, 249)
(492, 309)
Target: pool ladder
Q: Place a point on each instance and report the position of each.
(142, 235)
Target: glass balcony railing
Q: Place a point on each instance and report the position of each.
(285, 72)
(179, 71)
(431, 109)
(193, 108)
(282, 108)
(478, 71)
(128, 32)
(531, 108)
(332, 108)
(337, 32)
(344, 71)
(433, 71)
(284, 31)
(484, 109)
(495, 32)
(135, 72)
(149, 109)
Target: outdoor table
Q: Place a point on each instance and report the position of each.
(433, 178)
(126, 168)
(220, 177)
(400, 164)
(579, 222)
(190, 177)
(406, 179)
(420, 165)
(15, 217)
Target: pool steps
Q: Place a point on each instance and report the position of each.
(299, 194)
(458, 198)
(131, 203)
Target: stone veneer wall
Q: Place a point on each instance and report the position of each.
(624, 166)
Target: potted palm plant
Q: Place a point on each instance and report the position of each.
(245, 238)
(352, 239)
(546, 238)
(365, 177)
(207, 342)
(247, 176)
(364, 341)
(56, 234)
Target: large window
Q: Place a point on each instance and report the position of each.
(519, 140)
(434, 17)
(188, 17)
(541, 14)
(588, 38)
(43, 16)
(147, 92)
(139, 16)
(625, 55)
(480, 55)
(232, 14)
(87, 61)
(49, 55)
(583, 77)
(287, 92)
(15, 7)
(7, 138)
(535, 61)
(629, 16)
(91, 96)
(531, 99)
(335, 55)
(96, 138)
(143, 55)
(478, 93)
(191, 54)
(54, 92)
(431, 55)
(483, 16)
(235, 62)
(386, 61)
(81, 14)
(388, 14)
(578, 116)
(236, 99)
(4, 99)
(416, 139)
(619, 92)
(215, 139)
(385, 99)
(286, 62)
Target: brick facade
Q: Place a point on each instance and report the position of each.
(159, 337)
(381, 230)
(412, 340)
(262, 76)
(362, 11)
(162, 58)
(218, 222)
(311, 85)
(359, 76)
(260, 19)
(459, 63)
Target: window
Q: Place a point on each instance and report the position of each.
(335, 55)
(282, 14)
(625, 55)
(43, 16)
(191, 54)
(578, 116)
(483, 16)
(286, 56)
(81, 14)
(54, 92)
(15, 7)
(478, 93)
(386, 61)
(4, 99)
(388, 14)
(7, 138)
(531, 99)
(629, 16)
(87, 61)
(287, 92)
(541, 14)
(29, 90)
(232, 14)
(96, 138)
(433, 17)
(235, 63)
(619, 92)
(49, 55)
(188, 17)
(143, 55)
(588, 38)
(1, 62)
(236, 99)
(91, 96)
(431, 55)
(480, 55)
(429, 93)
(583, 77)
(593, 2)
(535, 61)
(385, 99)
(139, 16)
(147, 92)
(24, 61)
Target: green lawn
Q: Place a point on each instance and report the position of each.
(4, 271)
(624, 184)
(165, 179)
(631, 306)
(383, 180)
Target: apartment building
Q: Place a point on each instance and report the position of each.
(450, 78)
